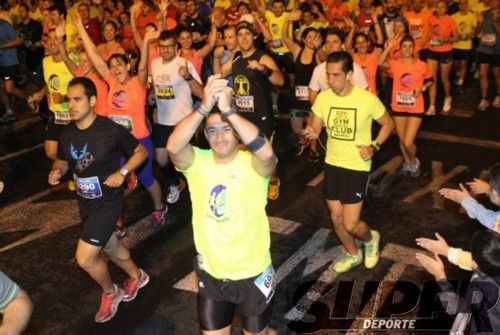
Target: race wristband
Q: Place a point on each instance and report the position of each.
(203, 112)
(229, 113)
(257, 142)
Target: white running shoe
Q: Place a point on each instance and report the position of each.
(173, 194)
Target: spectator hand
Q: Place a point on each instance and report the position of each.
(433, 265)
(455, 195)
(479, 186)
(54, 177)
(438, 246)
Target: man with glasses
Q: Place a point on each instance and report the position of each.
(174, 79)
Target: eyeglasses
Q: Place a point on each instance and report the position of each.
(163, 46)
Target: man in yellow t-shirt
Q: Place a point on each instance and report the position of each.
(347, 112)
(228, 190)
(466, 22)
(275, 18)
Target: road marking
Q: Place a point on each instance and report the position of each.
(438, 179)
(459, 139)
(20, 152)
(282, 226)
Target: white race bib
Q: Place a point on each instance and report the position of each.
(123, 120)
(302, 93)
(436, 41)
(88, 188)
(61, 118)
(266, 282)
(277, 43)
(405, 99)
(244, 103)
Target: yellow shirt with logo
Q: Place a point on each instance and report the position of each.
(465, 25)
(222, 3)
(56, 76)
(348, 123)
(230, 225)
(275, 25)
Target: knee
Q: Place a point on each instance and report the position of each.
(336, 220)
(407, 144)
(85, 261)
(351, 226)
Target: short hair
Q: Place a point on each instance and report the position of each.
(495, 177)
(244, 4)
(344, 57)
(167, 34)
(25, 6)
(335, 31)
(112, 23)
(59, 9)
(407, 38)
(485, 249)
(276, 1)
(88, 86)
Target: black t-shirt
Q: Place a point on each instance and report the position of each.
(198, 26)
(31, 32)
(92, 155)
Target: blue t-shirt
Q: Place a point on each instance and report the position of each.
(8, 56)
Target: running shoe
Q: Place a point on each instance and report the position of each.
(431, 111)
(496, 102)
(347, 262)
(314, 156)
(414, 170)
(173, 194)
(483, 105)
(372, 250)
(405, 169)
(131, 285)
(109, 305)
(447, 105)
(273, 192)
(132, 181)
(159, 217)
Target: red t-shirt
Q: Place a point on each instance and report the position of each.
(406, 79)
(127, 104)
(441, 29)
(93, 28)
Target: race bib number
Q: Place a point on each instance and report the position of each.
(62, 118)
(123, 120)
(277, 43)
(405, 99)
(302, 93)
(88, 188)
(266, 282)
(488, 39)
(244, 103)
(436, 41)
(165, 92)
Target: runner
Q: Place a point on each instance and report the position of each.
(174, 80)
(231, 233)
(91, 146)
(347, 112)
(254, 74)
(126, 106)
(411, 77)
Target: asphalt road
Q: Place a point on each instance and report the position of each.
(39, 227)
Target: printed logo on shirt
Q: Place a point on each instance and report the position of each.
(242, 85)
(217, 201)
(119, 99)
(54, 82)
(341, 123)
(406, 80)
(243, 100)
(82, 157)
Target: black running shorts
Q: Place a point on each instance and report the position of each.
(347, 186)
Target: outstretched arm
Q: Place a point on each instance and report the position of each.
(99, 63)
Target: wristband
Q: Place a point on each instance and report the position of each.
(257, 142)
(229, 113)
(267, 71)
(203, 112)
(189, 77)
(375, 146)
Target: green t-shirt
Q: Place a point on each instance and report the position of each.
(230, 225)
(348, 122)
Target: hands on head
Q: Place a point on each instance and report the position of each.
(215, 89)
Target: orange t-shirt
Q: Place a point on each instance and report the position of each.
(127, 105)
(406, 79)
(418, 24)
(395, 52)
(102, 92)
(141, 21)
(369, 66)
(441, 29)
(335, 15)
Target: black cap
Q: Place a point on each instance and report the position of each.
(244, 25)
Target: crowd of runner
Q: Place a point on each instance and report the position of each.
(127, 85)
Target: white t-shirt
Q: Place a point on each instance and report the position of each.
(173, 95)
(318, 80)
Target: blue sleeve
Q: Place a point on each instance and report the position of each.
(477, 211)
(8, 291)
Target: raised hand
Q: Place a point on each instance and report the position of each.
(455, 195)
(479, 186)
(214, 84)
(224, 99)
(295, 15)
(437, 246)
(183, 70)
(433, 265)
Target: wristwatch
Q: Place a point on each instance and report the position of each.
(188, 77)
(123, 172)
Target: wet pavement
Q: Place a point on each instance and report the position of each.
(39, 227)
